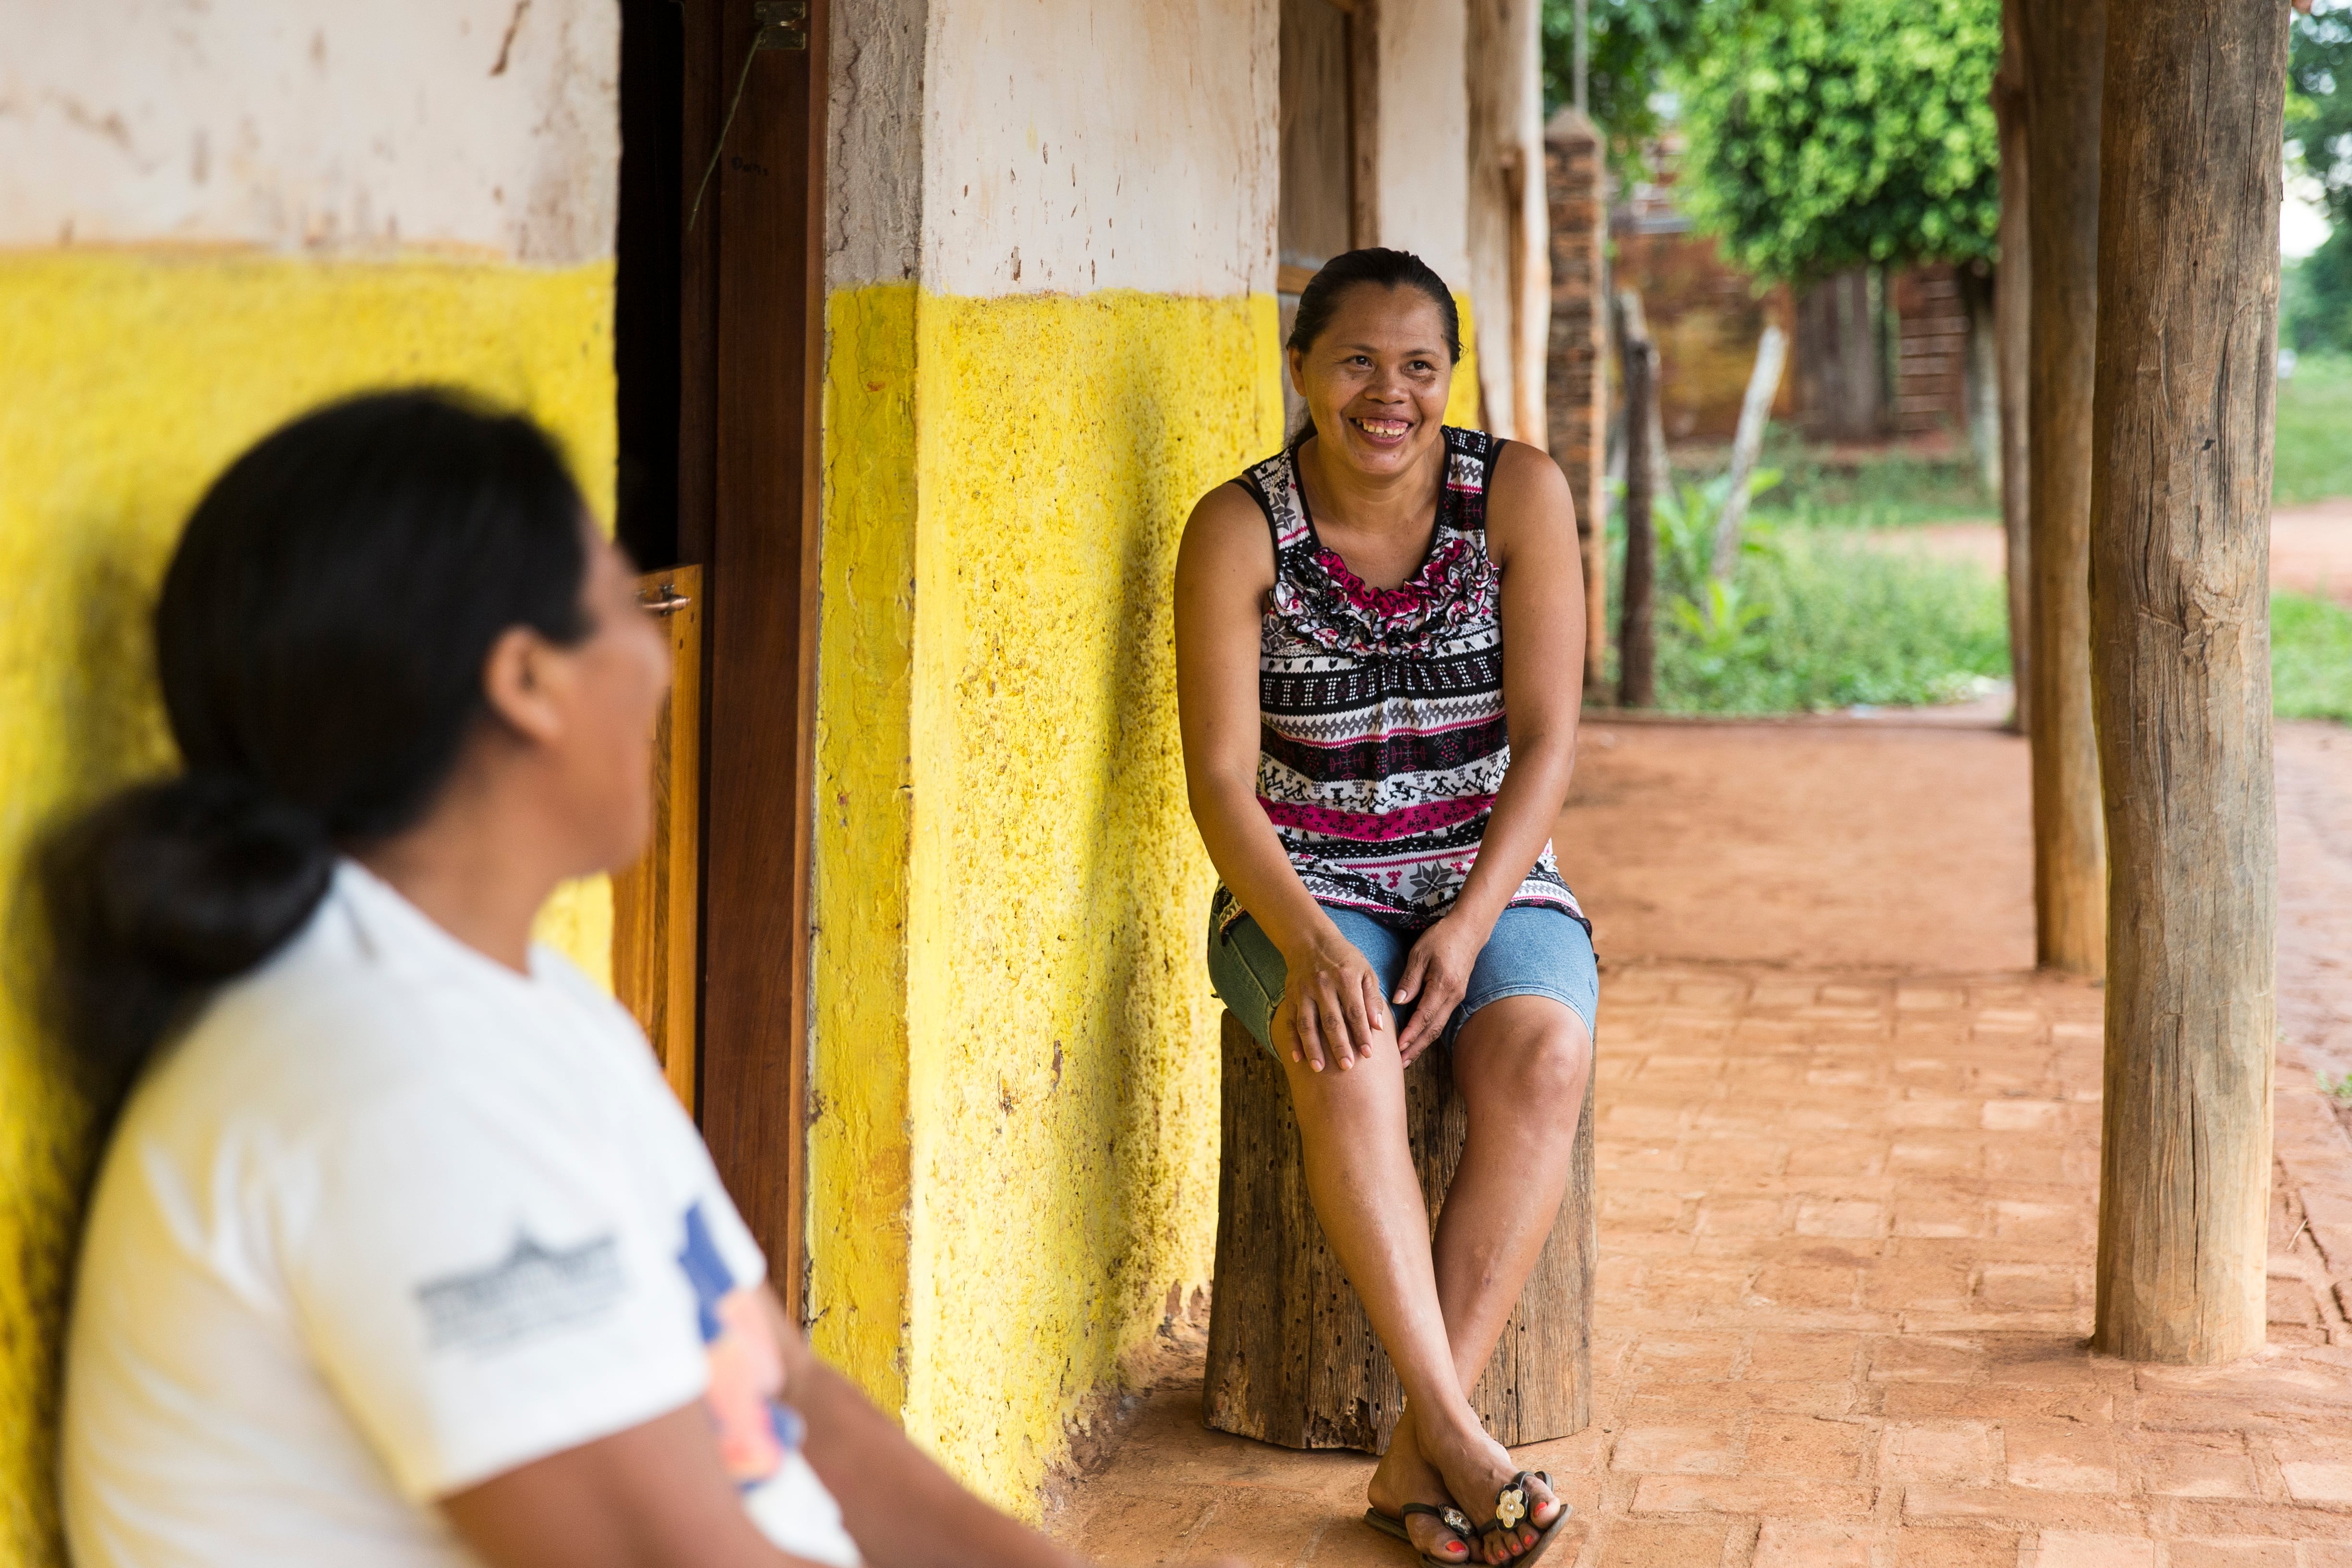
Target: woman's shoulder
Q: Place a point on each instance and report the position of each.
(346, 1017)
(1527, 496)
(1231, 531)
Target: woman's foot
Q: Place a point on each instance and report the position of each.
(1474, 1469)
(1405, 1477)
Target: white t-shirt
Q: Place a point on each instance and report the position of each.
(392, 1219)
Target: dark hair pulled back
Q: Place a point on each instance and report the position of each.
(321, 641)
(1320, 300)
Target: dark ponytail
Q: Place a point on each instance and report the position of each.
(320, 640)
(1320, 300)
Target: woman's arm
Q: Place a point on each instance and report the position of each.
(656, 1495)
(1531, 534)
(1331, 1004)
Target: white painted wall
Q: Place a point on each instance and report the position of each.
(1070, 145)
(317, 124)
(1425, 126)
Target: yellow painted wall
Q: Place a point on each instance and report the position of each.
(858, 1145)
(1462, 398)
(1013, 1155)
(127, 380)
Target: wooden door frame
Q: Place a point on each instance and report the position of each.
(752, 291)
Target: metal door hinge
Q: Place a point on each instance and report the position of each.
(783, 24)
(663, 600)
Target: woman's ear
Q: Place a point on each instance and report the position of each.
(1296, 360)
(519, 682)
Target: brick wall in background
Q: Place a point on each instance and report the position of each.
(1931, 381)
(1706, 316)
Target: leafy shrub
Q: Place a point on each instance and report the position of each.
(1815, 622)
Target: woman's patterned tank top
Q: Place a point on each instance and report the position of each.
(1381, 734)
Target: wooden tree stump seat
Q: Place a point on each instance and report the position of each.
(1292, 1359)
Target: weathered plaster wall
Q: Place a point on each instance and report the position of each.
(1076, 144)
(874, 153)
(1063, 1067)
(256, 209)
(482, 124)
(1425, 126)
(1013, 1154)
(1504, 67)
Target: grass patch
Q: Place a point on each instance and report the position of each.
(2315, 431)
(1885, 491)
(1817, 622)
(1834, 625)
(2311, 658)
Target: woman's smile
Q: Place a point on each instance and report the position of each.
(1382, 430)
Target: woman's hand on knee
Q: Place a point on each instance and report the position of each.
(1330, 1007)
(1437, 972)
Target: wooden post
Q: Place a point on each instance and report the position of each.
(2063, 43)
(2013, 301)
(1637, 648)
(2188, 267)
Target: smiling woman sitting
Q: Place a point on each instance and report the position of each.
(1379, 646)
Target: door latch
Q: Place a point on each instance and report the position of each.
(783, 24)
(663, 600)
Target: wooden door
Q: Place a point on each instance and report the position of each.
(768, 195)
(657, 903)
(717, 336)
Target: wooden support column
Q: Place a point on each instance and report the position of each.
(2012, 313)
(2188, 269)
(2064, 46)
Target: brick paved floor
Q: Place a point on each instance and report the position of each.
(1846, 1231)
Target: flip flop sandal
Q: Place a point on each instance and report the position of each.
(1452, 1518)
(1512, 1504)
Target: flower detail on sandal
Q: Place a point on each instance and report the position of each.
(1510, 1506)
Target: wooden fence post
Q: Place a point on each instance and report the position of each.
(1637, 648)
(2012, 311)
(2062, 45)
(2188, 265)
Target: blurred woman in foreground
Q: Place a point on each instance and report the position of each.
(402, 1252)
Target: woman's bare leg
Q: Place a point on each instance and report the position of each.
(1361, 1177)
(1520, 1066)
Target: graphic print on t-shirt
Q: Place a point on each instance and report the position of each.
(747, 1370)
(534, 1287)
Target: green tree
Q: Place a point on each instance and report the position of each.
(1631, 44)
(1824, 134)
(2318, 296)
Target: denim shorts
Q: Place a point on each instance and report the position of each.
(1533, 950)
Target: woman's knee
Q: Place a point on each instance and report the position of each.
(1538, 1053)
